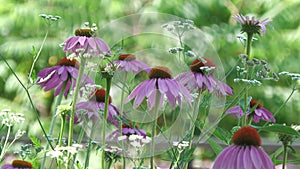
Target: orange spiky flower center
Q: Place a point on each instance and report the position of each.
(84, 32)
(130, 125)
(67, 62)
(21, 164)
(160, 72)
(127, 57)
(255, 102)
(246, 136)
(197, 64)
(100, 95)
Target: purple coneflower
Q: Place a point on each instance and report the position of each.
(201, 78)
(160, 80)
(128, 63)
(245, 153)
(258, 113)
(252, 25)
(84, 40)
(96, 104)
(18, 164)
(63, 74)
(127, 130)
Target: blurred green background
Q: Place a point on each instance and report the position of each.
(22, 29)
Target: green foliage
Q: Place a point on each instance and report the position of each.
(215, 146)
(278, 128)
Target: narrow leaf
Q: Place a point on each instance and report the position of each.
(278, 128)
(215, 146)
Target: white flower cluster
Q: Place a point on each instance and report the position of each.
(93, 27)
(179, 27)
(181, 145)
(10, 118)
(175, 50)
(190, 53)
(253, 82)
(113, 149)
(111, 68)
(294, 76)
(50, 17)
(61, 152)
(136, 140)
(296, 127)
(63, 109)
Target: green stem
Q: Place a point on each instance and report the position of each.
(72, 116)
(108, 85)
(195, 109)
(156, 108)
(248, 50)
(177, 160)
(30, 100)
(87, 158)
(120, 122)
(61, 133)
(4, 145)
(58, 101)
(285, 153)
(37, 56)
(249, 43)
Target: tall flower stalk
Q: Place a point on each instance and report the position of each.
(53, 121)
(248, 50)
(153, 131)
(250, 26)
(83, 45)
(108, 85)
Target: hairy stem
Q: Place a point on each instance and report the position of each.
(36, 57)
(88, 151)
(30, 100)
(58, 101)
(248, 50)
(108, 85)
(155, 110)
(120, 122)
(72, 116)
(285, 153)
(61, 133)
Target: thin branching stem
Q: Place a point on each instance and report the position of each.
(30, 100)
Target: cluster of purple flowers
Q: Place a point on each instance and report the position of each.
(246, 151)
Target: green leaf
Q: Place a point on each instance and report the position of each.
(222, 135)
(36, 142)
(215, 146)
(278, 128)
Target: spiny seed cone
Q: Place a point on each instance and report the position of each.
(127, 57)
(160, 72)
(246, 136)
(21, 164)
(100, 95)
(84, 32)
(255, 102)
(130, 125)
(197, 64)
(67, 62)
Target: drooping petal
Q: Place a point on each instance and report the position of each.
(171, 99)
(162, 85)
(173, 86)
(255, 157)
(265, 159)
(247, 158)
(240, 158)
(236, 110)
